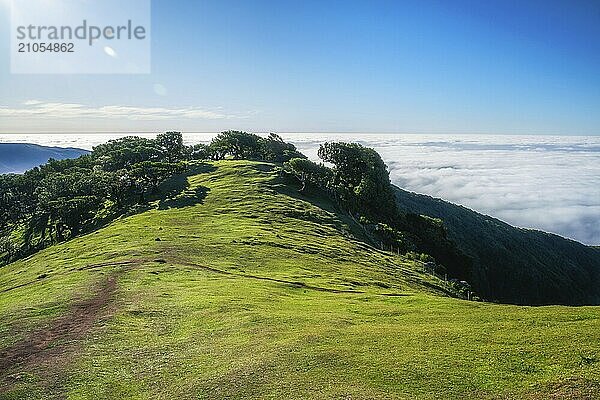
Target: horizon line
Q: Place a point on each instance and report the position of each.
(293, 132)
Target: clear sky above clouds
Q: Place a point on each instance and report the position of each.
(523, 67)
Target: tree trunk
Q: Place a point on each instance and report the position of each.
(59, 233)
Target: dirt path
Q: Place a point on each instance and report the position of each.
(49, 345)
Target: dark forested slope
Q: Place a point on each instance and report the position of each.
(512, 264)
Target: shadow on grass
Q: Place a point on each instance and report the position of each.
(187, 198)
(290, 187)
(175, 192)
(263, 167)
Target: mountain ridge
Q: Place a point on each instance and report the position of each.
(233, 284)
(529, 253)
(20, 157)
(500, 263)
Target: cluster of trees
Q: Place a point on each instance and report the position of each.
(359, 183)
(246, 146)
(61, 199)
(358, 180)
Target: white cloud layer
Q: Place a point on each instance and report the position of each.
(541, 182)
(550, 183)
(56, 110)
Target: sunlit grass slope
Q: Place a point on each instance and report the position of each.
(239, 287)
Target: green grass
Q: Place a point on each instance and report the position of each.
(256, 292)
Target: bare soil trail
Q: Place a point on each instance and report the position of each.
(51, 345)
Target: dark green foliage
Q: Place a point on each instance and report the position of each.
(64, 198)
(309, 172)
(360, 179)
(239, 145)
(125, 152)
(8, 249)
(147, 175)
(70, 214)
(429, 236)
(511, 264)
(248, 146)
(389, 235)
(359, 183)
(16, 197)
(200, 152)
(61, 199)
(171, 144)
(274, 149)
(390, 238)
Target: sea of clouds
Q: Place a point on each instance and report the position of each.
(550, 183)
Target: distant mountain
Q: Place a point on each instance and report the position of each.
(515, 265)
(19, 157)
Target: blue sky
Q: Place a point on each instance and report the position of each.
(335, 66)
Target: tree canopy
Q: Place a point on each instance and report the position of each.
(358, 179)
(61, 199)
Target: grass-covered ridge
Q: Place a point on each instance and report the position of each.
(241, 287)
(482, 257)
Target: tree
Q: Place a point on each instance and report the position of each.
(17, 196)
(62, 198)
(8, 249)
(120, 187)
(200, 152)
(71, 214)
(237, 144)
(147, 176)
(309, 172)
(275, 149)
(171, 144)
(7, 198)
(360, 178)
(125, 152)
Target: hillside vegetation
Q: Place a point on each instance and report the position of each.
(232, 284)
(483, 258)
(240, 269)
(515, 265)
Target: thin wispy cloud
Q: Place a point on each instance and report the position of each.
(58, 110)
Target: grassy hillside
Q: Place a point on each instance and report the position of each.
(515, 265)
(238, 287)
